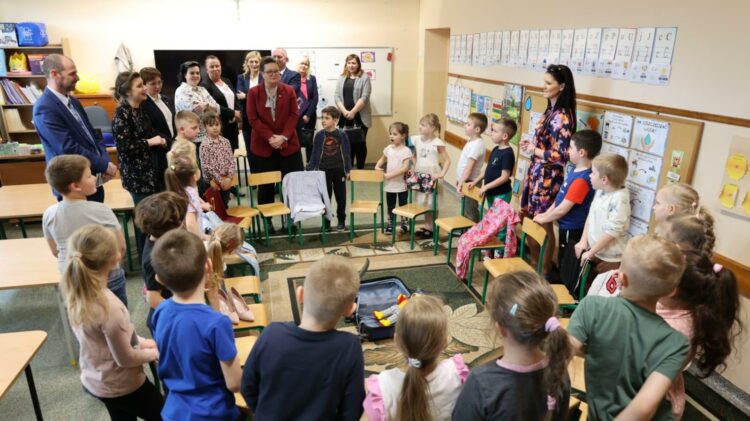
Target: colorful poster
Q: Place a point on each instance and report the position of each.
(734, 194)
(505, 56)
(641, 201)
(566, 47)
(525, 137)
(658, 74)
(543, 52)
(615, 149)
(578, 53)
(367, 56)
(593, 45)
(497, 110)
(607, 51)
(523, 48)
(644, 169)
(617, 128)
(644, 44)
(534, 118)
(522, 167)
(650, 136)
(474, 103)
(675, 166)
(533, 50)
(371, 73)
(637, 227)
(555, 47)
(512, 105)
(624, 53)
(589, 121)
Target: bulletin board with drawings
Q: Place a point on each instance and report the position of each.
(659, 149)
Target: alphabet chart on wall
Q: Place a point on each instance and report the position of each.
(639, 55)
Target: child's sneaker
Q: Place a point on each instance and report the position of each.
(404, 227)
(389, 228)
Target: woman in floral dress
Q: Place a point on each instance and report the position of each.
(549, 149)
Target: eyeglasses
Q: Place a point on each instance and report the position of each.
(272, 72)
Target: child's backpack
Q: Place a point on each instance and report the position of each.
(378, 295)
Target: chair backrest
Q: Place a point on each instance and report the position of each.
(367, 176)
(99, 118)
(472, 193)
(534, 230)
(260, 178)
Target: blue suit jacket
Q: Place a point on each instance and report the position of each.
(291, 78)
(309, 107)
(61, 134)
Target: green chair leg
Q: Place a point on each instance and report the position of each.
(265, 228)
(374, 228)
(450, 245)
(299, 233)
(289, 224)
(411, 233)
(124, 217)
(486, 281)
(393, 236)
(323, 228)
(22, 225)
(236, 191)
(351, 227)
(435, 237)
(471, 267)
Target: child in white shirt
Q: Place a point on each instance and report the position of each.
(472, 158)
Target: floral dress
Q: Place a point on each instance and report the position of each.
(131, 127)
(546, 174)
(186, 97)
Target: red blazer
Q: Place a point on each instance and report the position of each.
(287, 114)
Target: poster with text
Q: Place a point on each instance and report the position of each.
(644, 169)
(543, 51)
(617, 128)
(523, 48)
(637, 227)
(533, 50)
(505, 56)
(489, 56)
(588, 120)
(641, 201)
(482, 49)
(555, 43)
(664, 41)
(566, 47)
(522, 167)
(514, 39)
(624, 53)
(593, 45)
(498, 48)
(578, 53)
(615, 149)
(650, 136)
(644, 45)
(607, 51)
(535, 117)
(475, 50)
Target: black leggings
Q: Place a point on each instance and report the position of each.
(145, 403)
(390, 198)
(358, 150)
(275, 162)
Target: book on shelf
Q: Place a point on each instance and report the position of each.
(8, 36)
(20, 95)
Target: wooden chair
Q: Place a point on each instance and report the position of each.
(246, 214)
(411, 211)
(495, 244)
(261, 319)
(244, 345)
(457, 223)
(369, 207)
(247, 286)
(496, 267)
(268, 210)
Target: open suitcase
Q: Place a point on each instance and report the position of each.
(377, 295)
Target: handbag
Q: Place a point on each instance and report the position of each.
(355, 134)
(306, 137)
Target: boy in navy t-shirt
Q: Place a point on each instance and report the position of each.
(573, 201)
(198, 358)
(496, 175)
(311, 371)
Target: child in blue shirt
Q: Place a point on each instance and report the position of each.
(573, 201)
(198, 357)
(311, 371)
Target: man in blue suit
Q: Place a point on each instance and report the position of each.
(288, 76)
(63, 125)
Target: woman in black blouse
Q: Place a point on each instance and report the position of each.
(135, 139)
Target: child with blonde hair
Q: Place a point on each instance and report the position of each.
(225, 240)
(530, 380)
(311, 370)
(188, 126)
(682, 199)
(112, 355)
(705, 305)
(428, 389)
(430, 163)
(632, 382)
(182, 178)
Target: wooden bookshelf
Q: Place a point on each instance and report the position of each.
(27, 134)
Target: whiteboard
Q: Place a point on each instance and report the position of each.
(327, 64)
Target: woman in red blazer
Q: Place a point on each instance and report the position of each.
(273, 113)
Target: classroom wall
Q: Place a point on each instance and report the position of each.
(95, 29)
(709, 74)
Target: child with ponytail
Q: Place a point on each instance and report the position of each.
(429, 388)
(704, 307)
(225, 240)
(530, 381)
(182, 177)
(112, 355)
(682, 199)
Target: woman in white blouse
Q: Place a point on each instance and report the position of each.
(190, 95)
(220, 89)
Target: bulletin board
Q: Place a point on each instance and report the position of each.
(327, 64)
(675, 159)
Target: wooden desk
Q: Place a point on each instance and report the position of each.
(31, 200)
(18, 348)
(27, 263)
